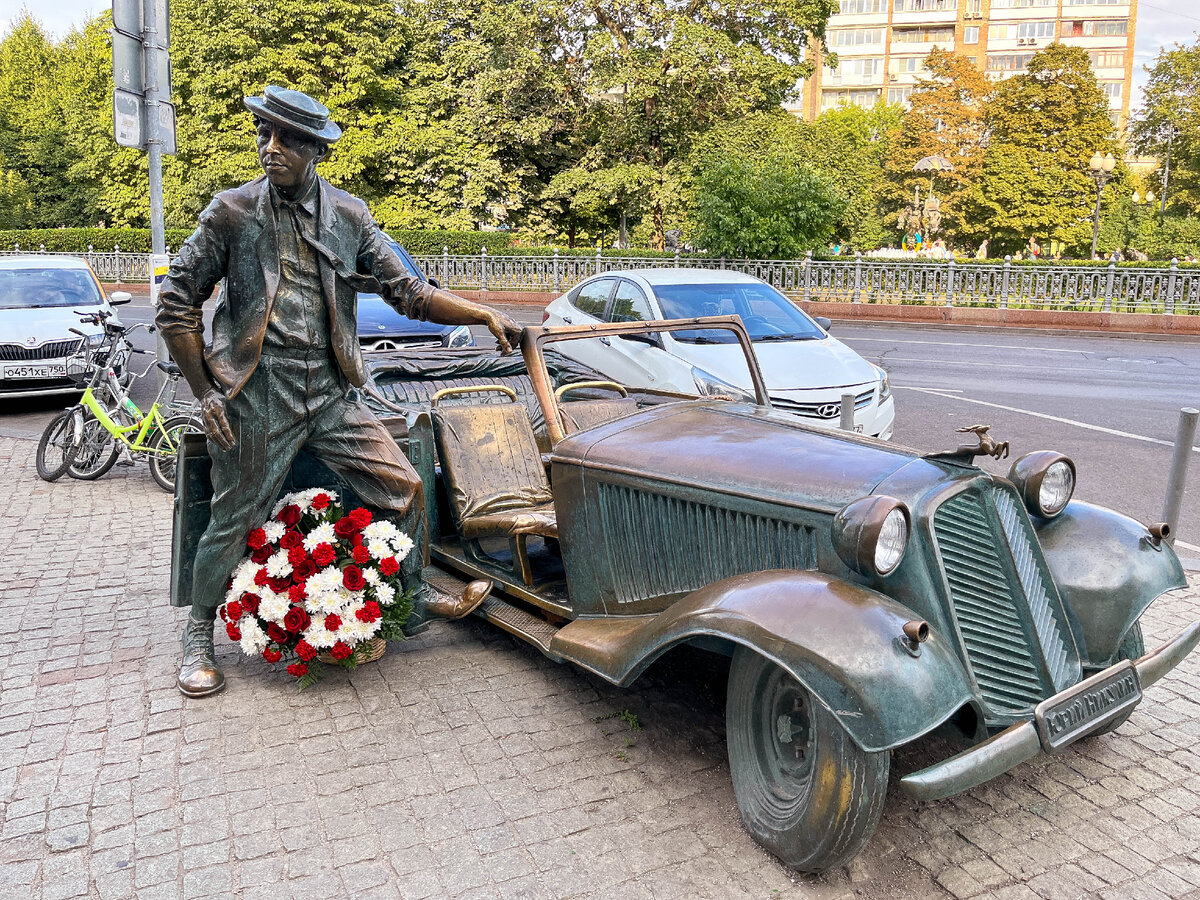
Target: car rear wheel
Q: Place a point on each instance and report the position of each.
(805, 790)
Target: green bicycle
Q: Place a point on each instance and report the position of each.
(88, 439)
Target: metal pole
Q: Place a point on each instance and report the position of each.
(158, 236)
(1167, 170)
(1096, 217)
(1185, 437)
(847, 420)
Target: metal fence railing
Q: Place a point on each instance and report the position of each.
(856, 279)
(110, 266)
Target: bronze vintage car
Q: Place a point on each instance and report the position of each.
(868, 595)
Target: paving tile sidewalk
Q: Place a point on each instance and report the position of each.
(465, 765)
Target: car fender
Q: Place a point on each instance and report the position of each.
(842, 641)
(1108, 569)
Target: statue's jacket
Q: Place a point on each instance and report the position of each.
(237, 240)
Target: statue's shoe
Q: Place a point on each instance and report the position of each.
(199, 674)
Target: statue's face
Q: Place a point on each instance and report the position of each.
(288, 157)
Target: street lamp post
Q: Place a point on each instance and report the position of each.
(1101, 169)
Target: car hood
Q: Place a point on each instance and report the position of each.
(743, 449)
(376, 318)
(786, 365)
(44, 323)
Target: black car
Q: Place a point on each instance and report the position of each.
(381, 328)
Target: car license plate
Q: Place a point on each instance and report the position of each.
(1070, 715)
(43, 370)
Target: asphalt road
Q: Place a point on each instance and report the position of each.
(1111, 403)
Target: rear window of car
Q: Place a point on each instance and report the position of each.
(32, 288)
(593, 297)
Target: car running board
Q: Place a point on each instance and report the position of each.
(526, 626)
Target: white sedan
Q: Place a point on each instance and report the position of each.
(806, 370)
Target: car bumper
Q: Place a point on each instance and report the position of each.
(1054, 726)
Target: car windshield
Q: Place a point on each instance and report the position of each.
(30, 288)
(766, 313)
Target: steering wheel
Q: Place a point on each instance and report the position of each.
(761, 325)
(606, 385)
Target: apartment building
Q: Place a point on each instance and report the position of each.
(882, 44)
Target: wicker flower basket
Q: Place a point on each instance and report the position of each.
(375, 647)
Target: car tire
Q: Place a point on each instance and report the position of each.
(57, 447)
(1133, 647)
(98, 452)
(164, 459)
(811, 796)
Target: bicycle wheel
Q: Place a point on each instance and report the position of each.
(164, 448)
(98, 451)
(57, 447)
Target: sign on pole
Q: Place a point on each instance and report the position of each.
(142, 74)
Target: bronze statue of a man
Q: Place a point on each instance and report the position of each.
(280, 372)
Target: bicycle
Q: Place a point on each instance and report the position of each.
(87, 439)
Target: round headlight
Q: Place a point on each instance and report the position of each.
(1045, 480)
(871, 534)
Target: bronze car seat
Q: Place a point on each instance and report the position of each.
(580, 415)
(495, 479)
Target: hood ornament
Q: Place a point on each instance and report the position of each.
(987, 446)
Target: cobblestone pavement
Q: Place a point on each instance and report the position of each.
(465, 765)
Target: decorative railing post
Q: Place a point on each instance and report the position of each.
(41, 248)
(950, 285)
(117, 261)
(807, 266)
(722, 260)
(1004, 281)
(1108, 285)
(857, 297)
(677, 257)
(483, 275)
(445, 279)
(1169, 302)
(597, 258)
(556, 281)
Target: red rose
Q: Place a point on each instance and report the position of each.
(261, 555)
(233, 611)
(321, 501)
(291, 538)
(333, 622)
(279, 585)
(360, 517)
(370, 612)
(299, 670)
(361, 556)
(305, 651)
(250, 603)
(304, 571)
(356, 540)
(260, 577)
(297, 593)
(277, 634)
(256, 538)
(271, 655)
(324, 554)
(341, 650)
(296, 620)
(388, 566)
(296, 555)
(290, 515)
(235, 633)
(345, 527)
(353, 579)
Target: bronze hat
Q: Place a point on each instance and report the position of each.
(294, 110)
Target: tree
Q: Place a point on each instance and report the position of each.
(1044, 127)
(772, 208)
(1169, 122)
(946, 118)
(599, 200)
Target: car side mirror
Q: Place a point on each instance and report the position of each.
(653, 339)
(435, 282)
(825, 323)
(120, 298)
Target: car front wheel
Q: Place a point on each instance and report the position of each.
(805, 790)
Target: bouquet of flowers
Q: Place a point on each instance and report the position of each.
(318, 584)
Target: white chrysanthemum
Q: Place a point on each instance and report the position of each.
(353, 631)
(371, 575)
(272, 607)
(379, 548)
(328, 580)
(278, 565)
(323, 603)
(254, 639)
(274, 530)
(243, 577)
(402, 544)
(380, 530)
(385, 594)
(319, 636)
(322, 534)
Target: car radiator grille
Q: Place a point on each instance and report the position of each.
(820, 410)
(52, 350)
(660, 545)
(1008, 614)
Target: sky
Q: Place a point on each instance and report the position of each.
(1160, 23)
